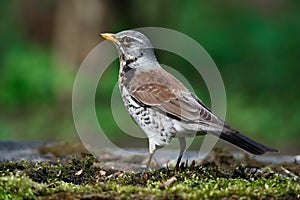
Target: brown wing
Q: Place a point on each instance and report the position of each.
(185, 106)
(178, 104)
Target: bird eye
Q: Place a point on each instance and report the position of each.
(127, 40)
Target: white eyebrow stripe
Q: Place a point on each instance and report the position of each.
(141, 41)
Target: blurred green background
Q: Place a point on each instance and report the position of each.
(255, 44)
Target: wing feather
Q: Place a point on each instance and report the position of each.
(181, 104)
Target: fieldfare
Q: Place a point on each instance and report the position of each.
(161, 105)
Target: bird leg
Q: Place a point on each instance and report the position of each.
(152, 148)
(149, 161)
(182, 143)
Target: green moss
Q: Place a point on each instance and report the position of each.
(84, 178)
(12, 187)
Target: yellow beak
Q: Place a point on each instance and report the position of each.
(109, 36)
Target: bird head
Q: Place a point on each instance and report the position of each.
(131, 45)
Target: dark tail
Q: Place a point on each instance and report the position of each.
(234, 137)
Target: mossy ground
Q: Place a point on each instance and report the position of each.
(82, 177)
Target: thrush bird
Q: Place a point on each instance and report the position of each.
(161, 105)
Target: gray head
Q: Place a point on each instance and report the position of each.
(133, 47)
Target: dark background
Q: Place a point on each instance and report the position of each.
(255, 44)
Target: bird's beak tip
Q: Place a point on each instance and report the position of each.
(109, 36)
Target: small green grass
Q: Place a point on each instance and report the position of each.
(80, 178)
